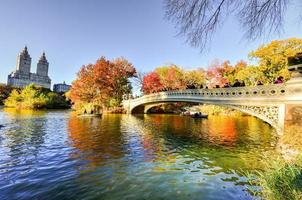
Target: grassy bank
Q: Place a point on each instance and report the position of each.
(282, 178)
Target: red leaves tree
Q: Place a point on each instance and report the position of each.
(151, 83)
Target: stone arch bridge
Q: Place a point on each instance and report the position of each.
(274, 104)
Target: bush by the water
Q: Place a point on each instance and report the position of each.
(32, 97)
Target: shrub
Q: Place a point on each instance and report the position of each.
(32, 97)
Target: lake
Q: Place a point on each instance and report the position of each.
(57, 155)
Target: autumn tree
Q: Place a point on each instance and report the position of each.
(272, 58)
(251, 75)
(195, 78)
(102, 84)
(152, 83)
(216, 73)
(120, 73)
(197, 20)
(232, 71)
(172, 77)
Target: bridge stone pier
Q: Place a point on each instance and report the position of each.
(276, 104)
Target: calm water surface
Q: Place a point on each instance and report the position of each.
(56, 155)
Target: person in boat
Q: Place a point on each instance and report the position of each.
(197, 114)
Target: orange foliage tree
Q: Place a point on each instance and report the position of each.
(102, 84)
(172, 78)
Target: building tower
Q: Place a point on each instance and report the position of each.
(22, 76)
(24, 62)
(42, 66)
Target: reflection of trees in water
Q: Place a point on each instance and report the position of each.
(224, 142)
(142, 140)
(99, 139)
(24, 135)
(218, 144)
(23, 114)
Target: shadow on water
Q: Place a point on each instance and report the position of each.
(60, 156)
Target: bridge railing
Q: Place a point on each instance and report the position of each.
(231, 92)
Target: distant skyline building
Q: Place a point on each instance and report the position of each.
(22, 76)
(61, 87)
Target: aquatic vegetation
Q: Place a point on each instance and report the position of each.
(280, 180)
(282, 177)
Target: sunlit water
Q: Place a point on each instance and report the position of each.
(56, 155)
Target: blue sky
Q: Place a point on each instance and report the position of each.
(77, 32)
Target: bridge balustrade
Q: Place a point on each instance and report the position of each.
(235, 92)
(271, 103)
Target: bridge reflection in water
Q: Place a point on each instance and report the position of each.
(274, 104)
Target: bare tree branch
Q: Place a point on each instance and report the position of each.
(139, 79)
(198, 20)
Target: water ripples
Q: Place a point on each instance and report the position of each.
(55, 155)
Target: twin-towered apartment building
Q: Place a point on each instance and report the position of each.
(23, 76)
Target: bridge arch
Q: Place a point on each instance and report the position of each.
(265, 102)
(268, 114)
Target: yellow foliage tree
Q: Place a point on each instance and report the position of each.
(272, 58)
